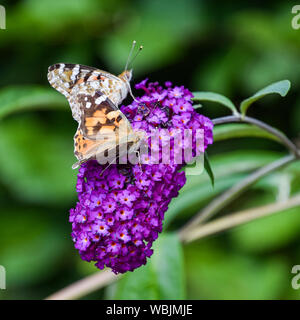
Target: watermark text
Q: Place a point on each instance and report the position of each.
(2, 278)
(2, 18)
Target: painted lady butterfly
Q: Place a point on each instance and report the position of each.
(94, 96)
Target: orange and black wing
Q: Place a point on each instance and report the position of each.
(102, 126)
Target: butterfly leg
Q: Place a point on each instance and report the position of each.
(140, 161)
(109, 164)
(78, 163)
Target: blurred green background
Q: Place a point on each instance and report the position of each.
(227, 47)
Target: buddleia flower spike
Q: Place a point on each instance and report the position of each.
(119, 214)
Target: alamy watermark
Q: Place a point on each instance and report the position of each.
(2, 278)
(2, 18)
(175, 147)
(296, 18)
(296, 279)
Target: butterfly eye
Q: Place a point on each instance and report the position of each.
(128, 75)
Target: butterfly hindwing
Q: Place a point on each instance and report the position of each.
(100, 116)
(102, 126)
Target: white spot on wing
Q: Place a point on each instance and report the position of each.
(61, 68)
(75, 72)
(100, 99)
(94, 84)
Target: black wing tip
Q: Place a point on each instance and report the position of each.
(58, 65)
(70, 66)
(53, 67)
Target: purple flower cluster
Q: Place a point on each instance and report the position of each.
(121, 210)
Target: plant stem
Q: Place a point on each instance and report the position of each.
(232, 193)
(85, 286)
(275, 132)
(237, 219)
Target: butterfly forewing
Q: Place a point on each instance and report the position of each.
(72, 79)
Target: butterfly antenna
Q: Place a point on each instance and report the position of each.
(130, 54)
(129, 62)
(139, 50)
(109, 164)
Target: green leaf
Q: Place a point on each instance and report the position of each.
(20, 98)
(280, 87)
(167, 261)
(36, 158)
(214, 97)
(197, 106)
(240, 130)
(208, 169)
(161, 278)
(139, 285)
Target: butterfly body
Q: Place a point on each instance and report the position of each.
(94, 96)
